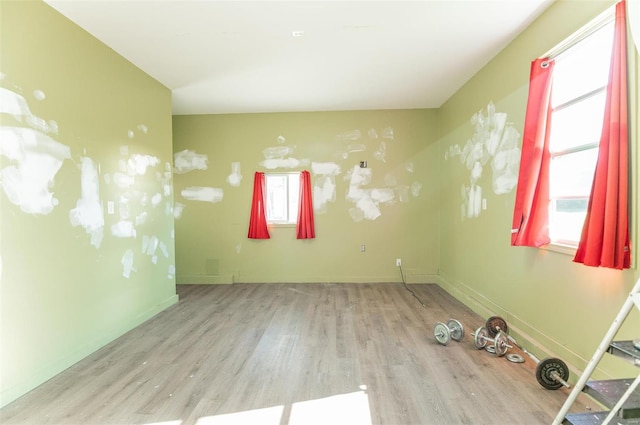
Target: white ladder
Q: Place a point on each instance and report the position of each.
(632, 299)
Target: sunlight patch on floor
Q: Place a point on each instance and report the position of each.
(352, 409)
(266, 416)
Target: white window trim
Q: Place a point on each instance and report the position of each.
(274, 223)
(606, 17)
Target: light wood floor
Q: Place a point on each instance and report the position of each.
(285, 354)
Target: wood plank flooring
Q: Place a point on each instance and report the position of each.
(291, 354)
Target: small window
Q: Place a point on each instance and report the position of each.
(283, 191)
(578, 94)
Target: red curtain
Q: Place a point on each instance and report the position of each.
(305, 228)
(258, 220)
(530, 225)
(605, 235)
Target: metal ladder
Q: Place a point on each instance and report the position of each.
(603, 348)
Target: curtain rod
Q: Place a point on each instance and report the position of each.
(600, 21)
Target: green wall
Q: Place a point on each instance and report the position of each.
(394, 214)
(79, 127)
(552, 304)
(82, 129)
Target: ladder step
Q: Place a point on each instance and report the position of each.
(596, 418)
(609, 391)
(625, 350)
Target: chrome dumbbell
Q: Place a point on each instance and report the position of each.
(500, 343)
(444, 333)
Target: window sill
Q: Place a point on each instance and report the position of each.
(270, 225)
(560, 248)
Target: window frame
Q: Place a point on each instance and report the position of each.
(293, 179)
(565, 47)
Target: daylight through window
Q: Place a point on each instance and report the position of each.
(283, 191)
(578, 95)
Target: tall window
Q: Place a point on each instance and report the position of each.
(578, 99)
(283, 192)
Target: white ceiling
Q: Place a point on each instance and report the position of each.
(240, 56)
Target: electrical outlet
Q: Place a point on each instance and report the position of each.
(398, 262)
(363, 248)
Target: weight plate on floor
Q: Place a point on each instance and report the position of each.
(515, 358)
(546, 370)
(480, 338)
(442, 334)
(496, 324)
(501, 344)
(456, 328)
(490, 349)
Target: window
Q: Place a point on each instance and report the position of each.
(283, 191)
(578, 98)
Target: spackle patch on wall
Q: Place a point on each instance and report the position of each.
(15, 105)
(123, 229)
(494, 141)
(36, 159)
(324, 185)
(349, 149)
(138, 164)
(88, 212)
(349, 135)
(186, 161)
(127, 263)
(235, 177)
(277, 157)
(178, 208)
(203, 194)
(366, 200)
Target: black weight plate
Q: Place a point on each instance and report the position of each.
(545, 371)
(496, 324)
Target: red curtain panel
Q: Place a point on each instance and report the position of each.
(530, 225)
(258, 220)
(605, 235)
(305, 228)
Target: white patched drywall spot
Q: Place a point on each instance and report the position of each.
(366, 200)
(141, 128)
(88, 212)
(178, 208)
(235, 177)
(495, 141)
(280, 157)
(381, 153)
(349, 135)
(35, 160)
(186, 161)
(203, 194)
(15, 105)
(35, 156)
(324, 185)
(138, 164)
(123, 229)
(127, 263)
(349, 149)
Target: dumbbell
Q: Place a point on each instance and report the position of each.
(444, 333)
(500, 342)
(551, 372)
